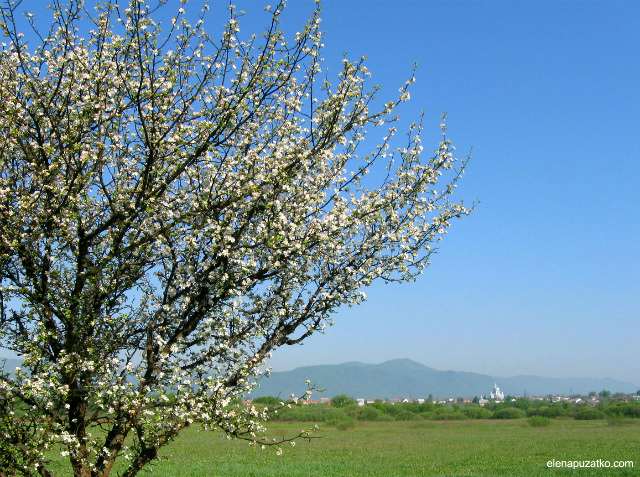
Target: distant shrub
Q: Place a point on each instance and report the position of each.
(472, 412)
(392, 409)
(353, 410)
(447, 414)
(368, 413)
(623, 409)
(547, 411)
(407, 416)
(268, 400)
(342, 400)
(509, 413)
(309, 414)
(589, 415)
(329, 414)
(539, 421)
(428, 415)
(427, 406)
(522, 403)
(294, 414)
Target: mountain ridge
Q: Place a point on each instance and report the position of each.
(406, 378)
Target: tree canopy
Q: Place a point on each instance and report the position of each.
(342, 400)
(175, 205)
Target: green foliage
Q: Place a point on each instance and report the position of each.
(539, 421)
(333, 419)
(548, 410)
(372, 414)
(590, 415)
(319, 413)
(448, 414)
(384, 411)
(473, 412)
(366, 413)
(353, 410)
(407, 416)
(342, 400)
(624, 409)
(509, 413)
(267, 400)
(391, 409)
(415, 407)
(522, 403)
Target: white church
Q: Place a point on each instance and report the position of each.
(497, 395)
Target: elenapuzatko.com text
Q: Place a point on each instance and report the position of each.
(574, 464)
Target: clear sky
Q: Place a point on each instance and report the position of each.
(544, 277)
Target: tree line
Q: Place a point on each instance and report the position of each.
(346, 409)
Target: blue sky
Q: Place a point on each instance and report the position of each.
(544, 277)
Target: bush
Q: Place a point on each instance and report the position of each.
(392, 409)
(353, 410)
(427, 406)
(522, 403)
(342, 400)
(267, 400)
(365, 413)
(547, 411)
(509, 413)
(368, 413)
(539, 421)
(319, 413)
(407, 416)
(472, 412)
(589, 415)
(623, 409)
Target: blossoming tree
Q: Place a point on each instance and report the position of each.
(173, 207)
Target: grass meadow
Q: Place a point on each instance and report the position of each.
(413, 448)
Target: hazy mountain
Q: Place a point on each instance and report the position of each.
(406, 378)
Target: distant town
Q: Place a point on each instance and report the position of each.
(495, 396)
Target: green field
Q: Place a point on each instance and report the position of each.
(413, 448)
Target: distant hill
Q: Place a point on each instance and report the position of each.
(405, 378)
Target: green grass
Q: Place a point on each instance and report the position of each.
(413, 448)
